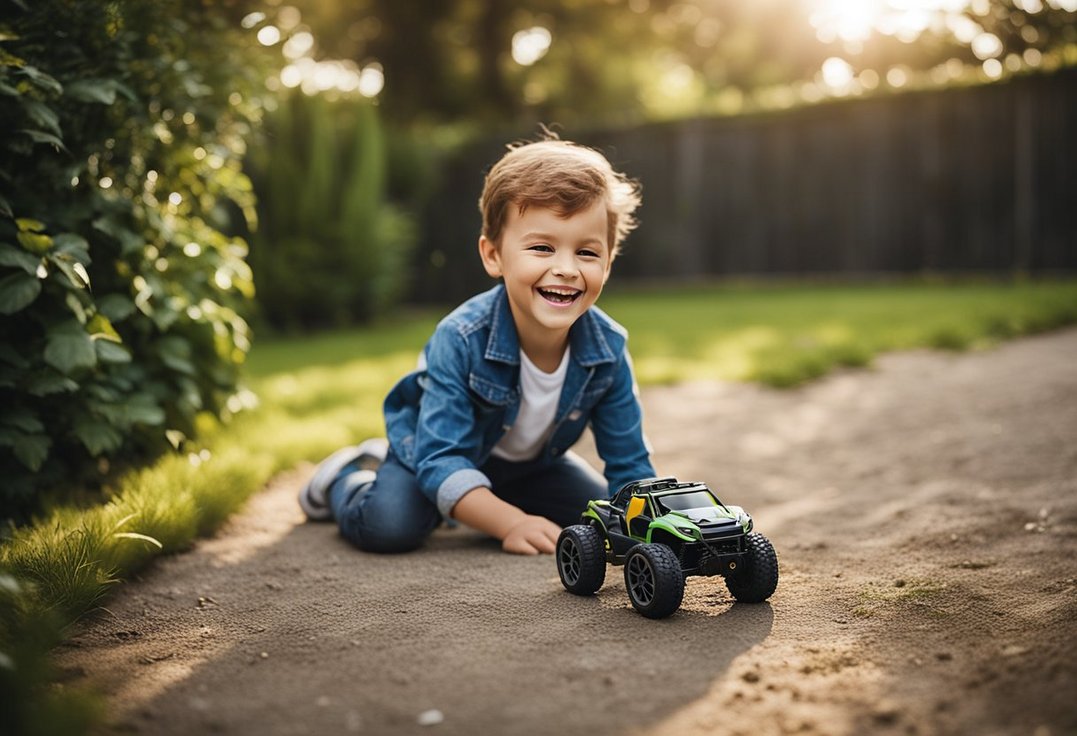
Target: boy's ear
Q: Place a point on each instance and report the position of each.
(491, 258)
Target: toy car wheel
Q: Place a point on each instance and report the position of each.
(581, 559)
(654, 580)
(756, 577)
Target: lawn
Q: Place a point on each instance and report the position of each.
(780, 335)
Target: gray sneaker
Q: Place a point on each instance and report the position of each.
(314, 496)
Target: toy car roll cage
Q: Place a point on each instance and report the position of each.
(700, 556)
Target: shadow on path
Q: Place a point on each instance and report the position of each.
(306, 635)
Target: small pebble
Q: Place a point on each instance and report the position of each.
(264, 655)
(885, 712)
(430, 717)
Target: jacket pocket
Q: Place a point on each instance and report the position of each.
(490, 393)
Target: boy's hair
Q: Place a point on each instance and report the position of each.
(562, 176)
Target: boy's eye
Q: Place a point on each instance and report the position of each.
(541, 247)
(588, 253)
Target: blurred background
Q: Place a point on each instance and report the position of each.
(776, 137)
(177, 175)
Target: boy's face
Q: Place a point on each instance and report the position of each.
(554, 267)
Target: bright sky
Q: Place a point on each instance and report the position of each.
(856, 20)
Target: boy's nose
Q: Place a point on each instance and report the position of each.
(564, 269)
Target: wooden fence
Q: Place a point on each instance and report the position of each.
(977, 179)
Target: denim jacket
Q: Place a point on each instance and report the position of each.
(444, 419)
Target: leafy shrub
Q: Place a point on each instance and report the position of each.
(122, 126)
(331, 249)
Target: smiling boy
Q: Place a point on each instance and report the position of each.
(481, 431)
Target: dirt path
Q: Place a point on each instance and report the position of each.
(925, 515)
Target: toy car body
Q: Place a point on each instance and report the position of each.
(663, 531)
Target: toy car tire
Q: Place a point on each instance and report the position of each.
(581, 559)
(757, 576)
(654, 580)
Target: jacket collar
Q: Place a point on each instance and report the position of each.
(589, 344)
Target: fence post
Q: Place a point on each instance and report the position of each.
(1023, 179)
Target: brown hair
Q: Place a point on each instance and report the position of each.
(562, 176)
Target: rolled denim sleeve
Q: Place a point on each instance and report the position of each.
(617, 424)
(445, 438)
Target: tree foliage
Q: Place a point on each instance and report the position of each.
(122, 126)
(626, 60)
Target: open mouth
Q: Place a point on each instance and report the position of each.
(559, 295)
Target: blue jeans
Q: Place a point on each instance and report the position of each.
(392, 514)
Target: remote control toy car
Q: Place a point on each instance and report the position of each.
(662, 532)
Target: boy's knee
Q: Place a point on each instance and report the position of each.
(388, 541)
(389, 534)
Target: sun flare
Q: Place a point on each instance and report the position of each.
(855, 21)
(849, 20)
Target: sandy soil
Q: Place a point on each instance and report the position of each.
(924, 512)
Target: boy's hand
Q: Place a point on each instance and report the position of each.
(520, 533)
(531, 536)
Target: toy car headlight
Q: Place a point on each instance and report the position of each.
(743, 518)
(686, 530)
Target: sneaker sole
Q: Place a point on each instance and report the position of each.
(324, 475)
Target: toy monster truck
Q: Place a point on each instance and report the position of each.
(663, 531)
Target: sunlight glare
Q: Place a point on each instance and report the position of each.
(837, 73)
(850, 20)
(993, 68)
(963, 27)
(371, 80)
(530, 45)
(855, 21)
(986, 46)
(298, 45)
(252, 19)
(897, 76)
(268, 35)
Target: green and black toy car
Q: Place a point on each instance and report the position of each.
(663, 531)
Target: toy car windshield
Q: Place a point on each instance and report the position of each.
(687, 501)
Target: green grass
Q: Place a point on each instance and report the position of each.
(316, 394)
(785, 335)
(779, 335)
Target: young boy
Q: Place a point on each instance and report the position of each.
(481, 432)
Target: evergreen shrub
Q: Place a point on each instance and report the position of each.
(331, 248)
(122, 127)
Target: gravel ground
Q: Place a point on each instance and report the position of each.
(925, 517)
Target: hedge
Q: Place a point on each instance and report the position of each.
(122, 294)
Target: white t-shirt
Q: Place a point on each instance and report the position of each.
(540, 394)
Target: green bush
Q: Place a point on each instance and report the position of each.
(122, 126)
(331, 249)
